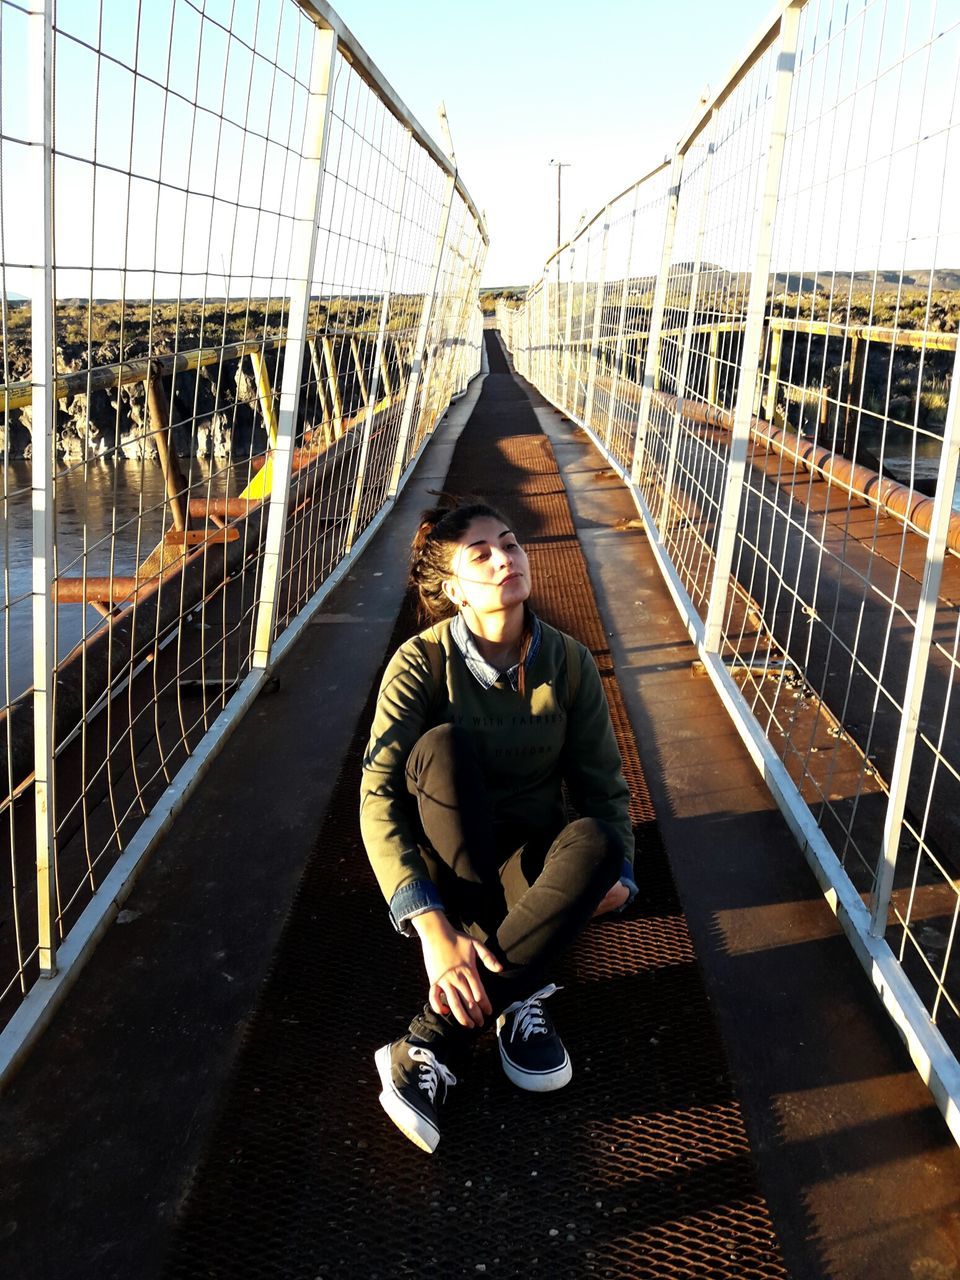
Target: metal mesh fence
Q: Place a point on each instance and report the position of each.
(776, 383)
(239, 291)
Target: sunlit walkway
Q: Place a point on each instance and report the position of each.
(739, 1106)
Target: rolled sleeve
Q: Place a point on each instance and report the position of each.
(626, 879)
(413, 899)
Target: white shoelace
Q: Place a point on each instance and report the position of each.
(529, 1018)
(431, 1071)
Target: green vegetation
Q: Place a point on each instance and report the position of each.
(489, 298)
(91, 332)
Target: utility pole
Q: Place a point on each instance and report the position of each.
(560, 166)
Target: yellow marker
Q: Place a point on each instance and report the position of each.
(259, 487)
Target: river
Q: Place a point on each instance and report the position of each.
(109, 514)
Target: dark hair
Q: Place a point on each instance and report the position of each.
(431, 560)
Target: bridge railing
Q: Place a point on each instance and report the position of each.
(239, 292)
(761, 335)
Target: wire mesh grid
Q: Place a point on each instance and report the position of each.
(220, 93)
(633, 257)
(583, 300)
(220, 240)
(457, 264)
(807, 343)
(620, 221)
(680, 322)
(861, 347)
(732, 197)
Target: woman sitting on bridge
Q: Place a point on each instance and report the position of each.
(479, 721)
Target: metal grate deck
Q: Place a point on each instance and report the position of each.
(641, 1168)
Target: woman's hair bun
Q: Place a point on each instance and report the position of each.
(429, 520)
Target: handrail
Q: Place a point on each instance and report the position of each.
(325, 16)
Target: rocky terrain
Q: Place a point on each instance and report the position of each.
(215, 410)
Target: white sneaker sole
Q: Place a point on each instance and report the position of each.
(409, 1121)
(537, 1081)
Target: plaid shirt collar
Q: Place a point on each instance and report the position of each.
(484, 672)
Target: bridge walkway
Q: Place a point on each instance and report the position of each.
(740, 1107)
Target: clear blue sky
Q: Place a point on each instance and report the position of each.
(607, 86)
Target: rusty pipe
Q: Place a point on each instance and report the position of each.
(890, 496)
(97, 590)
(221, 508)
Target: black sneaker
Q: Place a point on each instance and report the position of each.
(532, 1053)
(410, 1075)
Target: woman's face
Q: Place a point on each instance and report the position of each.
(490, 571)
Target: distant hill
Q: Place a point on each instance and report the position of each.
(945, 279)
(491, 295)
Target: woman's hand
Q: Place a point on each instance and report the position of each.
(452, 960)
(612, 899)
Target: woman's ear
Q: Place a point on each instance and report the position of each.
(451, 589)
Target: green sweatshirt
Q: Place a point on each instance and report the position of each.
(527, 745)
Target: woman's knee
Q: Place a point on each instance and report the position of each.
(442, 741)
(596, 841)
(442, 747)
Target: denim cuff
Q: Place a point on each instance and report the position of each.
(626, 878)
(413, 899)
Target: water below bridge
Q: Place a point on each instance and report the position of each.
(109, 517)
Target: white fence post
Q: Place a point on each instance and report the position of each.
(558, 357)
(753, 332)
(681, 388)
(919, 657)
(390, 266)
(423, 332)
(541, 357)
(42, 467)
(468, 296)
(302, 260)
(651, 364)
(568, 333)
(621, 321)
(436, 360)
(581, 352)
(594, 354)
